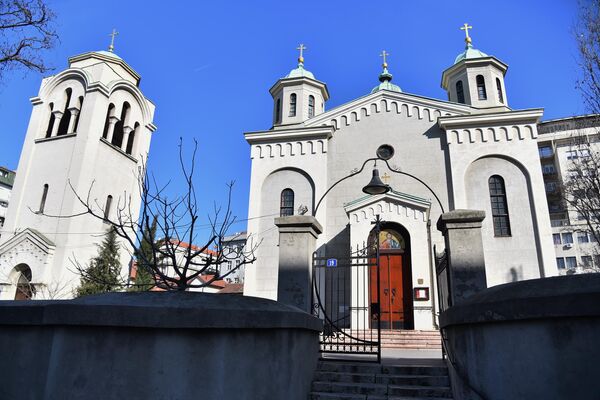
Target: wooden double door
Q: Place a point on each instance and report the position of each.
(395, 291)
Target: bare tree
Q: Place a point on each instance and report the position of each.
(588, 40)
(178, 221)
(26, 30)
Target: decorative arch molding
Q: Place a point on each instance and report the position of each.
(136, 93)
(300, 171)
(79, 75)
(492, 134)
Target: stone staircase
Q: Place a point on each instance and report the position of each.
(363, 381)
(405, 339)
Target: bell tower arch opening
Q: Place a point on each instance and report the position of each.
(21, 277)
(395, 277)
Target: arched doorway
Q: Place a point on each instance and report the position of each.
(22, 279)
(395, 278)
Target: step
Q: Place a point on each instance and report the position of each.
(416, 380)
(414, 370)
(336, 396)
(326, 376)
(357, 368)
(420, 391)
(350, 388)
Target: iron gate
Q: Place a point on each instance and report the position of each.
(346, 297)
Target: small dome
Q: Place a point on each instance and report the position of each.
(469, 53)
(108, 54)
(300, 72)
(385, 78)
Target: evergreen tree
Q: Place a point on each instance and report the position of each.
(103, 273)
(144, 278)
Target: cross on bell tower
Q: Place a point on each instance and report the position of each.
(466, 28)
(112, 35)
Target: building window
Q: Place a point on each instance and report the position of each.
(109, 113)
(587, 261)
(499, 206)
(567, 238)
(499, 88)
(278, 111)
(460, 93)
(572, 155)
(117, 139)
(571, 262)
(287, 203)
(556, 238)
(545, 151)
(79, 106)
(43, 201)
(63, 127)
(311, 106)
(560, 263)
(481, 92)
(107, 208)
(582, 237)
(585, 153)
(548, 169)
(550, 187)
(293, 105)
(50, 121)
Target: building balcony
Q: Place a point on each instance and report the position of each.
(559, 222)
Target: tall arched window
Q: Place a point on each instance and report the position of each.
(66, 117)
(43, 201)
(481, 92)
(311, 106)
(107, 207)
(109, 113)
(293, 105)
(278, 111)
(50, 121)
(79, 105)
(499, 88)
(25, 290)
(117, 138)
(287, 202)
(460, 93)
(132, 135)
(499, 206)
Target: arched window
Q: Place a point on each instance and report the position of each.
(278, 111)
(132, 135)
(107, 208)
(499, 206)
(43, 201)
(293, 105)
(287, 203)
(117, 138)
(50, 121)
(66, 117)
(481, 87)
(499, 88)
(311, 106)
(79, 105)
(25, 290)
(460, 94)
(109, 113)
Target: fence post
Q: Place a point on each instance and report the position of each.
(464, 251)
(297, 242)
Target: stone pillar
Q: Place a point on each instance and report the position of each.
(297, 242)
(57, 117)
(74, 114)
(126, 131)
(464, 249)
(112, 120)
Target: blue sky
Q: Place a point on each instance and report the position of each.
(208, 65)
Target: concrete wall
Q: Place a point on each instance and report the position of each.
(157, 346)
(535, 339)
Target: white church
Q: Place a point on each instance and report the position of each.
(88, 118)
(472, 150)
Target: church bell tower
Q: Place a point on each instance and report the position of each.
(476, 78)
(298, 96)
(88, 135)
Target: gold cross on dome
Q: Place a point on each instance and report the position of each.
(384, 54)
(386, 178)
(114, 33)
(302, 47)
(466, 28)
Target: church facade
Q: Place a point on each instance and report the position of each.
(89, 134)
(473, 151)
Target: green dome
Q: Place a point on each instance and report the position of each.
(300, 72)
(469, 53)
(385, 78)
(108, 54)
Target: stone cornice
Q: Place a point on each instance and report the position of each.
(468, 63)
(391, 197)
(299, 80)
(530, 116)
(107, 59)
(286, 135)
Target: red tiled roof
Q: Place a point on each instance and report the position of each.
(233, 288)
(193, 246)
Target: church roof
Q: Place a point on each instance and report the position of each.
(108, 54)
(470, 52)
(300, 72)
